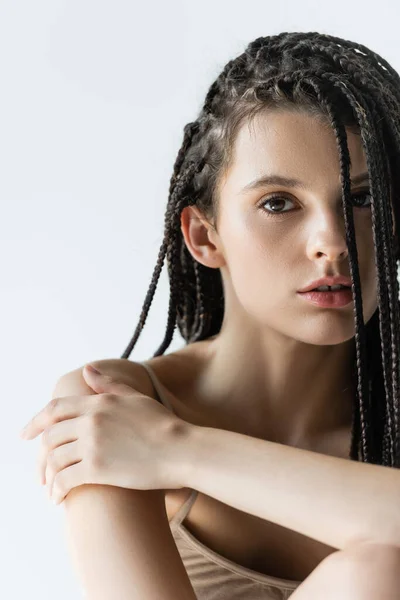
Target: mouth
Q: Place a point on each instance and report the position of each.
(343, 287)
(329, 298)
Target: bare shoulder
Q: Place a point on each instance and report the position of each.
(174, 372)
(170, 370)
(127, 371)
(133, 373)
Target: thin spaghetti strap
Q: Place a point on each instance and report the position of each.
(184, 510)
(163, 399)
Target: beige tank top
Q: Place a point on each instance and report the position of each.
(213, 576)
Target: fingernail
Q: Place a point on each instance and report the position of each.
(91, 368)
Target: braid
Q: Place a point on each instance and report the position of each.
(360, 328)
(388, 289)
(173, 264)
(352, 86)
(178, 185)
(374, 155)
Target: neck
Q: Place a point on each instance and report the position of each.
(290, 397)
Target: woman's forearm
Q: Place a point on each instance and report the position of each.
(332, 500)
(121, 545)
(119, 539)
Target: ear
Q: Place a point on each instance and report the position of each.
(201, 238)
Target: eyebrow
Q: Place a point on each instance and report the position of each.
(291, 182)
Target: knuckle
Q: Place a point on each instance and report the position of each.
(96, 419)
(46, 436)
(58, 484)
(102, 400)
(51, 458)
(50, 472)
(108, 399)
(98, 399)
(53, 404)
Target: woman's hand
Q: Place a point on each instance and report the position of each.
(117, 437)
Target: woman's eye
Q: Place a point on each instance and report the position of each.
(275, 200)
(366, 194)
(277, 203)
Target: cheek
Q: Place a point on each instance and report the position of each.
(263, 237)
(261, 273)
(261, 255)
(257, 250)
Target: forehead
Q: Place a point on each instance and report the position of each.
(291, 143)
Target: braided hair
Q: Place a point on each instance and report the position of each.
(351, 86)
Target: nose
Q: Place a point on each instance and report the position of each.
(330, 244)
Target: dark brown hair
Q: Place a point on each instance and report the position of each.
(346, 85)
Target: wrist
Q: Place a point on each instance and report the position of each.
(185, 453)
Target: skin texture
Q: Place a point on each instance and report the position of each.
(278, 360)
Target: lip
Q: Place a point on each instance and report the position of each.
(334, 280)
(328, 299)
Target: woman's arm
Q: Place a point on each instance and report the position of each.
(120, 540)
(332, 500)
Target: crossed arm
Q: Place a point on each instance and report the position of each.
(332, 500)
(120, 540)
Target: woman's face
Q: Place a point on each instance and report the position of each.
(267, 251)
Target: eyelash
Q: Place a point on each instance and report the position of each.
(264, 201)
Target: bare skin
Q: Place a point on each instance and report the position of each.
(274, 357)
(279, 361)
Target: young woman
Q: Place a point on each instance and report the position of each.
(287, 181)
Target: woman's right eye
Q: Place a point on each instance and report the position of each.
(274, 200)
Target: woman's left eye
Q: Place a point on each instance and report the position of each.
(363, 195)
(274, 199)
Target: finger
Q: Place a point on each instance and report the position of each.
(70, 477)
(56, 410)
(41, 463)
(60, 433)
(102, 383)
(60, 458)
